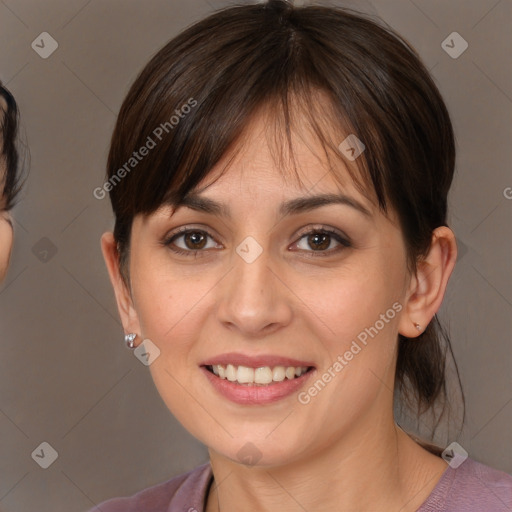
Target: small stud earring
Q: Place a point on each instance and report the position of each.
(418, 326)
(129, 340)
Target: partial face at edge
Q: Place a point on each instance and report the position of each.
(6, 229)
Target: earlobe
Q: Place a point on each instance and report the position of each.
(428, 285)
(127, 312)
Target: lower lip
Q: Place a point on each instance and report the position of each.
(256, 394)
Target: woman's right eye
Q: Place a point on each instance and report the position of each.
(192, 242)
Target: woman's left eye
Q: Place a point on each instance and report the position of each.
(321, 240)
(193, 241)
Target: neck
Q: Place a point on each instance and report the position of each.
(383, 469)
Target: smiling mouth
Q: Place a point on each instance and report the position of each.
(262, 376)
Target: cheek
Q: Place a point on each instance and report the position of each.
(6, 240)
(353, 299)
(172, 308)
(168, 304)
(356, 316)
(171, 315)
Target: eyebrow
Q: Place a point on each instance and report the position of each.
(293, 206)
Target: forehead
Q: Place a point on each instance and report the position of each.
(262, 163)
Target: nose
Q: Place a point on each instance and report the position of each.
(254, 298)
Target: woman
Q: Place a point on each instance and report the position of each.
(279, 180)
(8, 173)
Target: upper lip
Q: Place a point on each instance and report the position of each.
(256, 361)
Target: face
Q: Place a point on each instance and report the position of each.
(313, 287)
(6, 228)
(6, 241)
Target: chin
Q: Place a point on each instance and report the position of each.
(252, 451)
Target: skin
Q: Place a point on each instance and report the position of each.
(343, 450)
(6, 227)
(6, 242)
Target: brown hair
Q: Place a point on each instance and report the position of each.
(9, 152)
(276, 56)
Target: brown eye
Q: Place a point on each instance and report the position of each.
(320, 240)
(195, 240)
(189, 241)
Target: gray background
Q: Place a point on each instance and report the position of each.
(66, 378)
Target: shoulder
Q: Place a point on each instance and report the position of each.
(471, 487)
(183, 490)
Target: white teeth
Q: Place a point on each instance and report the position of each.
(290, 372)
(245, 375)
(263, 375)
(279, 373)
(230, 372)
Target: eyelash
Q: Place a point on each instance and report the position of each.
(344, 242)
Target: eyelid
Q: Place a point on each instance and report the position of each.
(185, 229)
(322, 227)
(168, 239)
(343, 240)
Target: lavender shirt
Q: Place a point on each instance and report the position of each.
(472, 487)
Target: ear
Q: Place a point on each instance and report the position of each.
(427, 288)
(127, 312)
